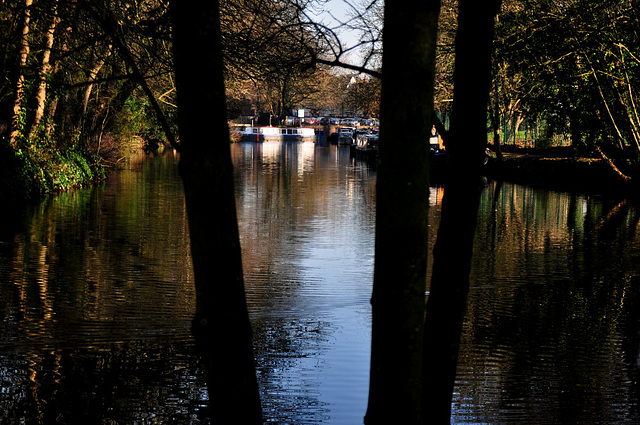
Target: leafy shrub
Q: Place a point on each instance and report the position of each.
(38, 166)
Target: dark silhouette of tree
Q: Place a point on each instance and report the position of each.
(466, 143)
(221, 324)
(402, 193)
(414, 354)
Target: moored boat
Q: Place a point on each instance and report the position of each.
(367, 141)
(366, 145)
(345, 136)
(277, 134)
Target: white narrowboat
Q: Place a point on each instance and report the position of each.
(278, 134)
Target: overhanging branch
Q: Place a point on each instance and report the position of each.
(340, 64)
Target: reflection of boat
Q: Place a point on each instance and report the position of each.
(268, 134)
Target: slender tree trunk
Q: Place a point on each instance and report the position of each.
(495, 123)
(622, 176)
(14, 130)
(447, 300)
(402, 192)
(518, 122)
(472, 80)
(283, 97)
(45, 69)
(452, 254)
(221, 323)
(93, 74)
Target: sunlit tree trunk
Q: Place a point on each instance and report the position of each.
(43, 75)
(494, 114)
(93, 74)
(452, 254)
(402, 194)
(221, 323)
(19, 86)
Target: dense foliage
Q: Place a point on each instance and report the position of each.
(70, 71)
(573, 67)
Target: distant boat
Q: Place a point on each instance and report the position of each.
(277, 134)
(345, 136)
(366, 145)
(367, 141)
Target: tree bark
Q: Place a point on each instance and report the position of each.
(402, 194)
(45, 68)
(14, 130)
(452, 254)
(221, 323)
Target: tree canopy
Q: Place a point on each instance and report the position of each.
(572, 66)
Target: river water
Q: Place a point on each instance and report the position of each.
(96, 298)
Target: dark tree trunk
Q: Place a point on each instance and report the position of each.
(454, 245)
(448, 295)
(399, 285)
(472, 81)
(221, 323)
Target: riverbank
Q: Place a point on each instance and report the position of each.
(552, 170)
(30, 173)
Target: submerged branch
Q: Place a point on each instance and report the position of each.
(612, 165)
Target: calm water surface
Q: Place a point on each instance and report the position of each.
(96, 297)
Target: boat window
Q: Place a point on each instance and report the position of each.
(255, 131)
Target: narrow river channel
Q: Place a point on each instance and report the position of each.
(96, 298)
